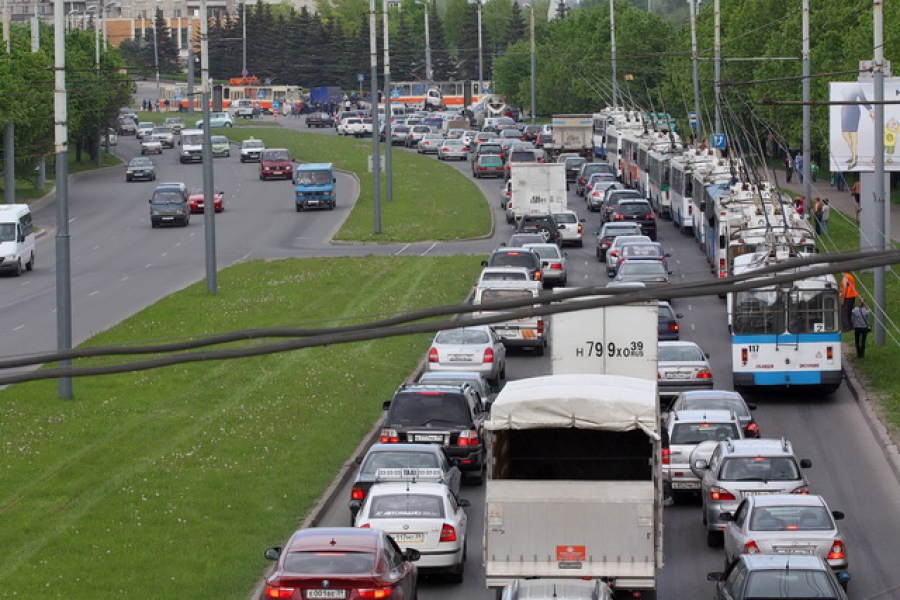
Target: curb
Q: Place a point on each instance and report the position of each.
(869, 409)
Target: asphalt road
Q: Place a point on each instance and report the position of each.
(120, 265)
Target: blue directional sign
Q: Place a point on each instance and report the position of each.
(395, 94)
(178, 98)
(718, 141)
(261, 94)
(360, 77)
(275, 105)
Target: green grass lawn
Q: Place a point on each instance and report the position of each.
(169, 483)
(431, 200)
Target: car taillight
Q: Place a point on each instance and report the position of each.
(751, 548)
(357, 493)
(613, 253)
(540, 327)
(651, 217)
(389, 436)
(718, 493)
(537, 275)
(666, 456)
(556, 266)
(618, 217)
(837, 550)
(488, 356)
(448, 533)
(279, 592)
(580, 228)
(581, 180)
(468, 438)
(433, 355)
(365, 526)
(375, 593)
(723, 271)
(744, 356)
(803, 489)
(673, 326)
(704, 374)
(752, 430)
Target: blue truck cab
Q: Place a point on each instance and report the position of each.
(315, 186)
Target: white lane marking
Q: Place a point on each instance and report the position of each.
(96, 247)
(126, 278)
(401, 250)
(18, 328)
(430, 248)
(148, 265)
(164, 254)
(94, 293)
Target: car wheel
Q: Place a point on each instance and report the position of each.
(18, 271)
(476, 478)
(30, 264)
(715, 539)
(459, 571)
(579, 243)
(228, 125)
(127, 178)
(154, 224)
(539, 350)
(299, 207)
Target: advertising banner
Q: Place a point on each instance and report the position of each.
(852, 126)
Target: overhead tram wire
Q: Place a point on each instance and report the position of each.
(594, 296)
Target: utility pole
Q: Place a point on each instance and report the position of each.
(244, 71)
(717, 63)
(387, 107)
(696, 68)
(156, 58)
(63, 246)
(882, 205)
(807, 143)
(480, 55)
(373, 101)
(533, 101)
(41, 178)
(9, 132)
(612, 50)
(209, 205)
(429, 74)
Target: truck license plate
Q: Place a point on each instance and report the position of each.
(408, 538)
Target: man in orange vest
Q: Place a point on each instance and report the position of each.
(848, 300)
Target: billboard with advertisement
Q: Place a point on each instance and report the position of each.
(852, 126)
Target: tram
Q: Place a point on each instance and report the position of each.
(262, 94)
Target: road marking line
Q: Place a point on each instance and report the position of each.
(94, 293)
(18, 328)
(401, 250)
(429, 249)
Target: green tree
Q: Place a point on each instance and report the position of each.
(166, 48)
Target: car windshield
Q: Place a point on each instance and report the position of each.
(495, 295)
(462, 337)
(218, 139)
(167, 197)
(680, 354)
(428, 409)
(147, 125)
(272, 155)
(524, 156)
(162, 130)
(398, 460)
(313, 177)
(141, 162)
(653, 269)
(738, 408)
(632, 209)
(613, 232)
(789, 583)
(641, 251)
(328, 563)
(406, 506)
(490, 160)
(505, 276)
(547, 251)
(254, 144)
(513, 259)
(694, 433)
(565, 218)
(759, 468)
(791, 518)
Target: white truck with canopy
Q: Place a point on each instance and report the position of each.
(574, 486)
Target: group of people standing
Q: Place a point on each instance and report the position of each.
(796, 164)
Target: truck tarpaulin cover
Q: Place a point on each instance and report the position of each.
(607, 402)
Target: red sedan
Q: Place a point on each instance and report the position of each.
(342, 563)
(196, 200)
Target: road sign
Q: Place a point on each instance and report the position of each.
(261, 94)
(360, 77)
(178, 98)
(244, 72)
(372, 164)
(395, 94)
(275, 105)
(692, 117)
(718, 141)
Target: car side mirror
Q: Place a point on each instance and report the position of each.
(805, 463)
(706, 354)
(582, 220)
(464, 503)
(837, 515)
(386, 405)
(726, 516)
(714, 576)
(150, 200)
(273, 553)
(679, 316)
(179, 142)
(751, 406)
(412, 555)
(358, 460)
(334, 180)
(484, 263)
(668, 254)
(701, 465)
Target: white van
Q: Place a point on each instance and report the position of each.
(398, 111)
(527, 332)
(191, 145)
(16, 238)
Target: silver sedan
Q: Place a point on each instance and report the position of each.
(476, 349)
(785, 524)
(553, 264)
(682, 366)
(453, 148)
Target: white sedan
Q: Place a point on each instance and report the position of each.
(151, 144)
(475, 349)
(421, 515)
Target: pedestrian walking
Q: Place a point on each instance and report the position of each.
(798, 166)
(848, 299)
(854, 192)
(814, 171)
(861, 321)
(839, 181)
(788, 167)
(826, 213)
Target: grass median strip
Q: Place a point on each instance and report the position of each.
(432, 201)
(169, 483)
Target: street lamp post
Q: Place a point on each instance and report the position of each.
(156, 57)
(533, 102)
(429, 74)
(478, 3)
(244, 71)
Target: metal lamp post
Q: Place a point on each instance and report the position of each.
(533, 101)
(429, 74)
(478, 3)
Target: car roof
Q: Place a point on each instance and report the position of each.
(384, 488)
(710, 394)
(758, 562)
(789, 500)
(759, 446)
(404, 448)
(544, 245)
(346, 539)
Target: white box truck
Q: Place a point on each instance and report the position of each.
(572, 133)
(606, 340)
(574, 485)
(537, 188)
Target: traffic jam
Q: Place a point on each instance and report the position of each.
(577, 458)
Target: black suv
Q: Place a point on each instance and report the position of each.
(612, 199)
(638, 211)
(543, 224)
(169, 205)
(450, 415)
(516, 257)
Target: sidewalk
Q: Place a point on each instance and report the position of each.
(840, 201)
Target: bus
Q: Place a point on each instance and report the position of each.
(787, 334)
(238, 88)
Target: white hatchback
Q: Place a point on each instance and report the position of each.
(571, 230)
(419, 515)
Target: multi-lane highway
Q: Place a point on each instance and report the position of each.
(120, 264)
